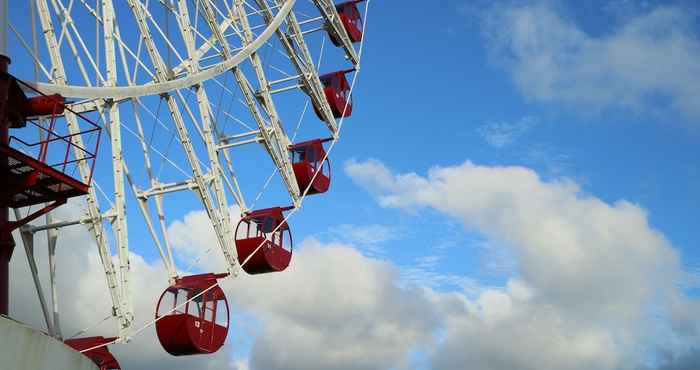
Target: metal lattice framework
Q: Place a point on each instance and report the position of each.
(149, 70)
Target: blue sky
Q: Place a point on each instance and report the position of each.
(476, 127)
(430, 95)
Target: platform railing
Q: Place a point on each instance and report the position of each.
(67, 158)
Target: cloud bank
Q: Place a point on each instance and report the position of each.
(649, 60)
(590, 273)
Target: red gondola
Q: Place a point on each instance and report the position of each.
(307, 159)
(337, 90)
(257, 229)
(199, 326)
(352, 21)
(100, 355)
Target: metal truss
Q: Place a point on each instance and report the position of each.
(216, 39)
(328, 11)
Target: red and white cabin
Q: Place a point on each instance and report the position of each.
(336, 88)
(264, 241)
(352, 21)
(199, 326)
(307, 160)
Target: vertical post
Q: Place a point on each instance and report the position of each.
(7, 244)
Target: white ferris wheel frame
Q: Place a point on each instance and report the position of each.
(210, 186)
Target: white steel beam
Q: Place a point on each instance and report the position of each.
(165, 86)
(275, 144)
(183, 134)
(59, 79)
(276, 141)
(328, 11)
(216, 172)
(119, 225)
(300, 56)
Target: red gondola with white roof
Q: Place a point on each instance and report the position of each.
(193, 327)
(337, 91)
(264, 241)
(307, 160)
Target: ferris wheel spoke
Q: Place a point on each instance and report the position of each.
(64, 22)
(69, 26)
(188, 147)
(275, 139)
(183, 134)
(122, 45)
(208, 136)
(58, 78)
(119, 169)
(329, 12)
(31, 52)
(304, 65)
(142, 140)
(165, 37)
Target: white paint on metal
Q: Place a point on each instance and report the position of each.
(24, 348)
(161, 87)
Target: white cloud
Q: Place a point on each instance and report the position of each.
(364, 234)
(501, 134)
(334, 308)
(507, 330)
(371, 238)
(594, 269)
(647, 62)
(587, 271)
(195, 243)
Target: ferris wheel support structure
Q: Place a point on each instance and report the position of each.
(122, 92)
(212, 41)
(120, 309)
(221, 211)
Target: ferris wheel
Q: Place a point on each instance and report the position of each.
(127, 108)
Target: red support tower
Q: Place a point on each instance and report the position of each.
(7, 244)
(34, 173)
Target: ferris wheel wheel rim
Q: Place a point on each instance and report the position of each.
(126, 92)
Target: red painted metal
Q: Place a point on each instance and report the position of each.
(352, 21)
(100, 355)
(27, 178)
(269, 250)
(7, 243)
(44, 105)
(30, 179)
(337, 90)
(199, 326)
(307, 159)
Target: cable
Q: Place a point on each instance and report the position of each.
(286, 218)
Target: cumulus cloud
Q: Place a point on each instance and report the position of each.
(508, 330)
(587, 272)
(332, 308)
(335, 309)
(594, 269)
(645, 62)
